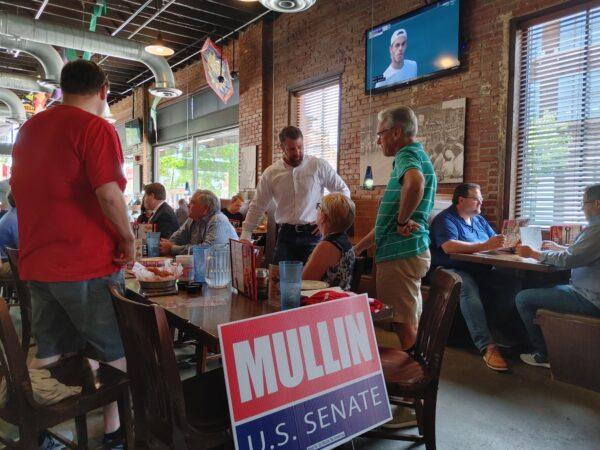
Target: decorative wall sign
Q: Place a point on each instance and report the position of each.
(442, 133)
(211, 60)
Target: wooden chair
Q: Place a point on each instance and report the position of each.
(100, 388)
(24, 298)
(415, 373)
(188, 414)
(357, 271)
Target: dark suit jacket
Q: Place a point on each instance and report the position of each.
(166, 221)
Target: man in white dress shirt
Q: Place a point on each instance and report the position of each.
(295, 184)
(400, 69)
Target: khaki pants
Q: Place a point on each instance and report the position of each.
(399, 285)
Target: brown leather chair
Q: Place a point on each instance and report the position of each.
(100, 388)
(23, 298)
(188, 414)
(572, 341)
(414, 374)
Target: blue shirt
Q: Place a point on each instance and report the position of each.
(213, 229)
(583, 258)
(9, 232)
(449, 226)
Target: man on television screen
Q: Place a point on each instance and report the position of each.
(400, 69)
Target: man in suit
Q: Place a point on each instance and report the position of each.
(163, 217)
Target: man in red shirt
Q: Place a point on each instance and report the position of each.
(68, 181)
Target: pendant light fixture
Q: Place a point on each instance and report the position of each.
(159, 47)
(288, 6)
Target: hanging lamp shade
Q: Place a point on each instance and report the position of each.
(368, 183)
(288, 6)
(159, 47)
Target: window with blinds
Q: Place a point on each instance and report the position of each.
(558, 120)
(318, 116)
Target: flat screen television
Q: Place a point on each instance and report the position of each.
(133, 132)
(414, 47)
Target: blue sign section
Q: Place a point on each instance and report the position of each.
(321, 422)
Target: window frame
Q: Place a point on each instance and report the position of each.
(304, 87)
(511, 145)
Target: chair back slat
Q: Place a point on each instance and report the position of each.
(357, 271)
(23, 295)
(436, 320)
(13, 366)
(159, 406)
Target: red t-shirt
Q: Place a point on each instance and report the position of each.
(60, 158)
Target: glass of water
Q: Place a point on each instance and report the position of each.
(290, 283)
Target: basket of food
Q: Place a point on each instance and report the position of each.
(158, 280)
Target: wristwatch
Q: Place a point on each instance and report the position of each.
(403, 223)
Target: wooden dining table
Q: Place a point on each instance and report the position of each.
(199, 315)
(505, 260)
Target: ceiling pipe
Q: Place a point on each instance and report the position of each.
(68, 37)
(19, 82)
(47, 55)
(13, 102)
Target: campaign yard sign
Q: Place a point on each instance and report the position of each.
(307, 378)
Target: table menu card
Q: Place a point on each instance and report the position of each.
(243, 268)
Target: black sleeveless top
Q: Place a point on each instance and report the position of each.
(341, 273)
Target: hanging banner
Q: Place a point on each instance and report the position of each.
(307, 378)
(211, 60)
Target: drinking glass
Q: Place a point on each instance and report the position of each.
(200, 262)
(290, 283)
(152, 243)
(218, 267)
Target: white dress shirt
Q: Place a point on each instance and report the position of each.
(295, 192)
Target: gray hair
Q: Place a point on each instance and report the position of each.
(402, 116)
(206, 197)
(593, 192)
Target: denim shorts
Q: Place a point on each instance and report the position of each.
(70, 316)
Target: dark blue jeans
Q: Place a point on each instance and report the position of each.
(562, 299)
(294, 245)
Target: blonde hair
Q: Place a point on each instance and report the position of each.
(237, 197)
(340, 211)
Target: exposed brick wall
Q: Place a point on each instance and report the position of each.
(331, 34)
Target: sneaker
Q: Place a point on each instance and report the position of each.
(535, 359)
(114, 440)
(49, 443)
(494, 360)
(403, 418)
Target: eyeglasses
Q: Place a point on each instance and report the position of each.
(585, 202)
(479, 199)
(382, 132)
(318, 205)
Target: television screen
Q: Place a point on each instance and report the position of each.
(413, 47)
(133, 132)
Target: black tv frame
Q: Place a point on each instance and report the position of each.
(440, 73)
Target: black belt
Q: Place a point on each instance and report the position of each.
(306, 228)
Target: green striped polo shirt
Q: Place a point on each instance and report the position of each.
(389, 244)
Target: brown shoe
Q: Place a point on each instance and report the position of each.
(494, 360)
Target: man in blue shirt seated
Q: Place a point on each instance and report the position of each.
(205, 225)
(9, 233)
(461, 229)
(582, 295)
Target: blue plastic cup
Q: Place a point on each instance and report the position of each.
(152, 243)
(290, 283)
(199, 262)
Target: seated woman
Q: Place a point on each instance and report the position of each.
(333, 258)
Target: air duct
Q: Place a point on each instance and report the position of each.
(22, 83)
(67, 37)
(47, 55)
(17, 110)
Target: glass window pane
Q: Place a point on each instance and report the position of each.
(218, 162)
(175, 168)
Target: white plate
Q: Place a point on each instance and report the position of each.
(310, 285)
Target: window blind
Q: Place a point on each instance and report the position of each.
(318, 115)
(558, 129)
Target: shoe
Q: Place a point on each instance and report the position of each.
(494, 360)
(535, 359)
(403, 418)
(49, 443)
(114, 440)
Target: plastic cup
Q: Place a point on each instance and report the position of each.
(199, 262)
(290, 283)
(152, 243)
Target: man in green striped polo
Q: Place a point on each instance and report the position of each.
(401, 233)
